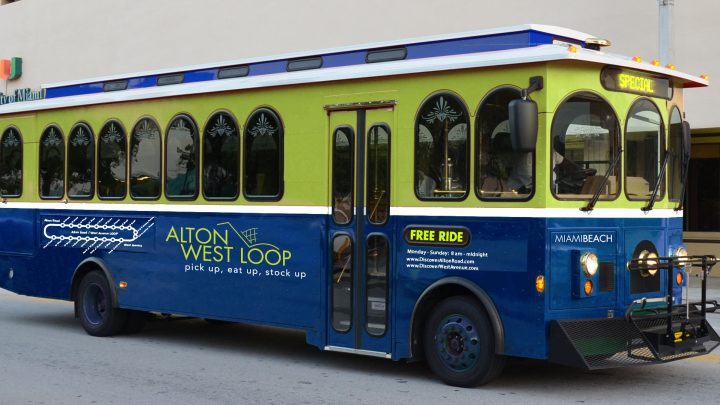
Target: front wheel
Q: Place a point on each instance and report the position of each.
(460, 344)
(94, 306)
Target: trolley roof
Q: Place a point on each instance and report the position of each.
(492, 47)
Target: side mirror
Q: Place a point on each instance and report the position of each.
(686, 142)
(523, 125)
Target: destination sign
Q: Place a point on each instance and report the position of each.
(635, 82)
(437, 236)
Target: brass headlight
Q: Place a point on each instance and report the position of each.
(682, 253)
(649, 261)
(589, 262)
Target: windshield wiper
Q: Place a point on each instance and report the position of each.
(656, 189)
(596, 197)
(686, 169)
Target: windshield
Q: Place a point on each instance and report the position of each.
(644, 151)
(584, 143)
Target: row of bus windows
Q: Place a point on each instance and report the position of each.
(585, 144)
(78, 172)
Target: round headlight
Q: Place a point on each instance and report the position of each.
(649, 260)
(682, 254)
(589, 262)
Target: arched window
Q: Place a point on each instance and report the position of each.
(145, 160)
(675, 150)
(11, 157)
(52, 163)
(262, 156)
(80, 162)
(221, 155)
(112, 161)
(501, 172)
(181, 159)
(644, 150)
(585, 143)
(441, 148)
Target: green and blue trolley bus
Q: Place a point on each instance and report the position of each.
(460, 198)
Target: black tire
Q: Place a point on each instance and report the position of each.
(95, 309)
(460, 344)
(135, 322)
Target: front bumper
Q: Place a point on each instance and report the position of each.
(646, 335)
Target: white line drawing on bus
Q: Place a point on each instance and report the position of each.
(91, 242)
(248, 236)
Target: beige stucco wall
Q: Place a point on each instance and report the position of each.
(62, 40)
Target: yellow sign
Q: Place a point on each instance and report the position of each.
(442, 236)
(635, 83)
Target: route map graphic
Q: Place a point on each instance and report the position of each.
(93, 233)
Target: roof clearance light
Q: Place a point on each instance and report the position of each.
(637, 59)
(572, 49)
(705, 76)
(655, 62)
(670, 66)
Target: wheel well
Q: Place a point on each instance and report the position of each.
(80, 272)
(433, 295)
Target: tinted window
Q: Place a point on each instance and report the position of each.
(644, 147)
(342, 283)
(377, 260)
(80, 162)
(112, 161)
(181, 171)
(342, 177)
(585, 140)
(52, 163)
(675, 163)
(145, 160)
(221, 154)
(11, 155)
(501, 172)
(378, 174)
(441, 148)
(263, 155)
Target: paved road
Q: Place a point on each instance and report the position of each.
(46, 358)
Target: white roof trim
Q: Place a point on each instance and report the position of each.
(549, 29)
(541, 53)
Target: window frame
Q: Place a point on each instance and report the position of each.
(62, 138)
(22, 159)
(663, 148)
(367, 280)
(198, 142)
(618, 144)
(127, 162)
(468, 155)
(93, 164)
(281, 156)
(239, 157)
(129, 159)
(478, 194)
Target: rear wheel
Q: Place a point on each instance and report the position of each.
(95, 308)
(460, 344)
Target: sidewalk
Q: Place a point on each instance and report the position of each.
(713, 288)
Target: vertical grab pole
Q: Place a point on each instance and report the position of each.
(670, 297)
(703, 293)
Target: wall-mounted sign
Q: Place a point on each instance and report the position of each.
(21, 95)
(10, 69)
(636, 82)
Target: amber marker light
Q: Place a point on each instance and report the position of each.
(572, 49)
(540, 284)
(123, 284)
(637, 59)
(655, 62)
(705, 76)
(679, 278)
(588, 287)
(670, 66)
